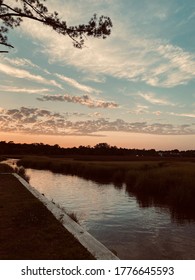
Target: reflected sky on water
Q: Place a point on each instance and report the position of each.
(116, 219)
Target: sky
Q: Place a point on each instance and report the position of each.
(135, 89)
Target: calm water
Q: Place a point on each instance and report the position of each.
(115, 218)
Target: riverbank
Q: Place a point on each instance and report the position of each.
(29, 231)
(171, 183)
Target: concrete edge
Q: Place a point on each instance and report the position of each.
(97, 249)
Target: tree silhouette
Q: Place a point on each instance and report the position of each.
(102, 146)
(12, 17)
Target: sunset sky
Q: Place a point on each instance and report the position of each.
(136, 89)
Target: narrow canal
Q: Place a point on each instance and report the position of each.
(116, 219)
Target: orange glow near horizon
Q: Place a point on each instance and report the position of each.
(125, 140)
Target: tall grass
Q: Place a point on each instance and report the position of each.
(173, 184)
(22, 172)
(100, 172)
(5, 168)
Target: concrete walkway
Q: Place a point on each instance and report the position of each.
(31, 227)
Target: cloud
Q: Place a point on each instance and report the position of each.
(77, 85)
(83, 100)
(24, 74)
(20, 62)
(150, 97)
(128, 53)
(187, 115)
(23, 90)
(95, 78)
(140, 109)
(39, 121)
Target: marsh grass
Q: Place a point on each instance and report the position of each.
(170, 182)
(22, 172)
(73, 215)
(5, 168)
(172, 187)
(175, 184)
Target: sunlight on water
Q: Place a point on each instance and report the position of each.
(115, 218)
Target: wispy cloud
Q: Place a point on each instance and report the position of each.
(20, 62)
(24, 74)
(23, 90)
(95, 78)
(83, 100)
(127, 54)
(187, 115)
(191, 16)
(145, 72)
(77, 85)
(151, 98)
(140, 109)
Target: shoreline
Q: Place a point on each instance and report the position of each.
(34, 228)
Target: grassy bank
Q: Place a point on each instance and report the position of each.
(29, 231)
(5, 168)
(171, 183)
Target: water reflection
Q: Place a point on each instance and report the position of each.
(179, 213)
(114, 216)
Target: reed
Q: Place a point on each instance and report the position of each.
(22, 172)
(5, 168)
(173, 184)
(73, 216)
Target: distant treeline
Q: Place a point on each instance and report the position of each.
(101, 149)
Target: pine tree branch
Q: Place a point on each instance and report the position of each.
(7, 45)
(35, 10)
(22, 15)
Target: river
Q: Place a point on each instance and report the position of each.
(116, 219)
